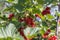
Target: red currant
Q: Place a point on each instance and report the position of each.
(29, 21)
(21, 30)
(45, 36)
(52, 38)
(47, 8)
(37, 15)
(10, 16)
(48, 30)
(45, 12)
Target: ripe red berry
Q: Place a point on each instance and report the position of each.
(44, 36)
(21, 30)
(48, 30)
(46, 33)
(37, 15)
(32, 24)
(47, 8)
(52, 38)
(45, 12)
(29, 21)
(10, 16)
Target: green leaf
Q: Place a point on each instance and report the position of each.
(53, 28)
(50, 1)
(49, 17)
(58, 14)
(9, 0)
(42, 31)
(2, 38)
(21, 1)
(36, 10)
(19, 7)
(40, 2)
(44, 24)
(9, 38)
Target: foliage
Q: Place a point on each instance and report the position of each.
(22, 13)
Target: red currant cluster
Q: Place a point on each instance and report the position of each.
(46, 11)
(52, 38)
(28, 20)
(21, 30)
